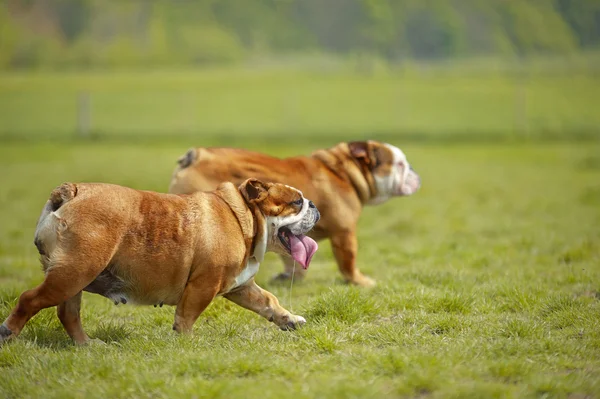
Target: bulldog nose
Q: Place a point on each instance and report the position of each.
(315, 210)
(411, 168)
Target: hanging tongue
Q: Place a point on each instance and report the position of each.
(303, 248)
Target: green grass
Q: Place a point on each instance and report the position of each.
(489, 286)
(423, 104)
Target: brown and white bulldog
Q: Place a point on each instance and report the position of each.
(150, 248)
(340, 180)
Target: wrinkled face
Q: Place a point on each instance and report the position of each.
(391, 171)
(289, 217)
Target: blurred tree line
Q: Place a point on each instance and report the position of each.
(102, 33)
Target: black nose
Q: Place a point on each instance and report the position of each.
(411, 168)
(311, 204)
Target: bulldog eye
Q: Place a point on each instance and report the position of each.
(298, 202)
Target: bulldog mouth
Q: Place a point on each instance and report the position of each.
(411, 185)
(301, 247)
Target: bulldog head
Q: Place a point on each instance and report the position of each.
(288, 215)
(392, 174)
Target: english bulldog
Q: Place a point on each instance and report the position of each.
(340, 180)
(149, 248)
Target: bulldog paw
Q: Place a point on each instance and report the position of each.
(281, 277)
(5, 334)
(293, 323)
(285, 277)
(363, 281)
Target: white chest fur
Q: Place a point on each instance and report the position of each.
(247, 273)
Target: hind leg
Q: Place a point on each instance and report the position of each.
(288, 263)
(197, 295)
(68, 313)
(61, 285)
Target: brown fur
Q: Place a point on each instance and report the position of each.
(151, 248)
(338, 180)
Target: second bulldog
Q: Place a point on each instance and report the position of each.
(340, 180)
(150, 248)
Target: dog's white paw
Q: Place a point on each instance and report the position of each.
(294, 323)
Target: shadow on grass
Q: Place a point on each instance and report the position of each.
(55, 337)
(51, 337)
(111, 333)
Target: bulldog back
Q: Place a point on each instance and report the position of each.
(203, 169)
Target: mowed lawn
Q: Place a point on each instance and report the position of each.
(488, 286)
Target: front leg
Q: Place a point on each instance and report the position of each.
(345, 248)
(254, 298)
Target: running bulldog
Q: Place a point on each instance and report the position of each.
(340, 180)
(148, 248)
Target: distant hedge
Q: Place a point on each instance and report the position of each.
(82, 33)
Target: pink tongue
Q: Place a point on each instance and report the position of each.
(303, 248)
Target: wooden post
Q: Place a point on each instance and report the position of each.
(521, 120)
(84, 114)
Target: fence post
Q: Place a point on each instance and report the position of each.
(521, 120)
(84, 117)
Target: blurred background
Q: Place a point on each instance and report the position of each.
(488, 277)
(319, 70)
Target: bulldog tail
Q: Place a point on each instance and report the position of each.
(188, 158)
(62, 194)
(182, 181)
(50, 224)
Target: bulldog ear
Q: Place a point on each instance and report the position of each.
(360, 151)
(253, 190)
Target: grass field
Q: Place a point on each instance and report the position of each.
(489, 277)
(489, 286)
